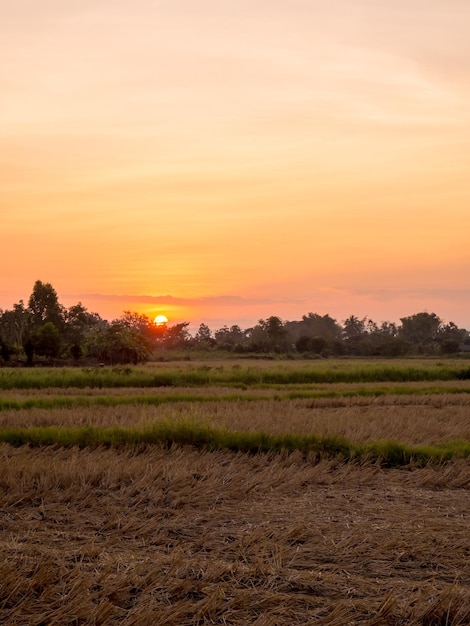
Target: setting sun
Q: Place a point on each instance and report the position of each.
(160, 320)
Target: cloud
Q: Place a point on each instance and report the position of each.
(412, 293)
(232, 301)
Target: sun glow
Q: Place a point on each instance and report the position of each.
(160, 320)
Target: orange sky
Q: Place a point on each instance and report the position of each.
(245, 158)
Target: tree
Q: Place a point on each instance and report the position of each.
(388, 329)
(421, 329)
(258, 340)
(176, 336)
(315, 325)
(44, 306)
(314, 345)
(316, 334)
(5, 351)
(15, 326)
(117, 343)
(139, 322)
(269, 335)
(29, 351)
(380, 340)
(233, 338)
(354, 328)
(46, 340)
(355, 334)
(276, 331)
(451, 338)
(78, 323)
(203, 337)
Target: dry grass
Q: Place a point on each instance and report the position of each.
(182, 537)
(414, 420)
(143, 536)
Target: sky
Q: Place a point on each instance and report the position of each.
(223, 161)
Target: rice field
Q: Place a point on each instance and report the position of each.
(126, 531)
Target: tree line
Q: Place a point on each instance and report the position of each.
(43, 330)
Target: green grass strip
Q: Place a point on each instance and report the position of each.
(70, 402)
(15, 378)
(388, 454)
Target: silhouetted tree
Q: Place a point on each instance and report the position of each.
(451, 338)
(15, 326)
(313, 345)
(354, 334)
(117, 343)
(304, 344)
(29, 351)
(78, 323)
(314, 325)
(276, 333)
(203, 337)
(176, 336)
(46, 340)
(139, 322)
(47, 328)
(421, 330)
(5, 351)
(44, 306)
(233, 338)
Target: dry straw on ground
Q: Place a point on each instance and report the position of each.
(180, 537)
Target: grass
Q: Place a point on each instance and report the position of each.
(286, 373)
(387, 453)
(113, 400)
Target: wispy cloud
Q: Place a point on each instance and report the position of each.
(422, 294)
(229, 300)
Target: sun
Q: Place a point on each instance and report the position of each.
(160, 320)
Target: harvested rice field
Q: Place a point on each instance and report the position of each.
(172, 534)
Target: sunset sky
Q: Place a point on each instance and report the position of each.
(222, 161)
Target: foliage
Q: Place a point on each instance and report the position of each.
(203, 337)
(176, 336)
(315, 345)
(233, 339)
(421, 329)
(78, 322)
(14, 326)
(118, 342)
(47, 340)
(44, 306)
(269, 335)
(134, 338)
(315, 325)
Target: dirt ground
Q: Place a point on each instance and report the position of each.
(184, 537)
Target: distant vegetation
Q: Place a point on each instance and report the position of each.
(44, 331)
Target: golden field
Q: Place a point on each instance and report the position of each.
(176, 535)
